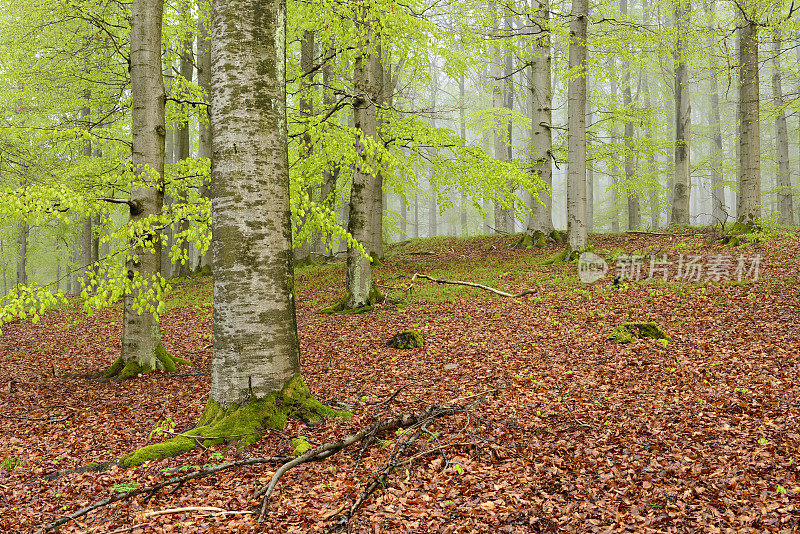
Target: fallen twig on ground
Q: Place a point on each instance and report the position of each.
(200, 473)
(471, 284)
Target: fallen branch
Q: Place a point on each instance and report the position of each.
(386, 424)
(200, 473)
(218, 511)
(325, 450)
(471, 284)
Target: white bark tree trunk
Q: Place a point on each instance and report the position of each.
(718, 212)
(634, 217)
(256, 349)
(576, 124)
(204, 124)
(782, 140)
(683, 119)
(541, 219)
(360, 286)
(141, 335)
(302, 254)
(749, 201)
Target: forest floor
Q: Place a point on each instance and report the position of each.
(583, 434)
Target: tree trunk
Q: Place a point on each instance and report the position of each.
(718, 213)
(782, 140)
(614, 160)
(433, 212)
(256, 350)
(22, 259)
(302, 254)
(463, 129)
(634, 217)
(576, 125)
(331, 175)
(376, 206)
(749, 202)
(683, 120)
(141, 335)
(498, 102)
(360, 286)
(416, 215)
(540, 223)
(589, 173)
(182, 149)
(204, 122)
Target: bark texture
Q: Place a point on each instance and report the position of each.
(785, 204)
(256, 350)
(360, 286)
(749, 201)
(576, 124)
(683, 120)
(541, 219)
(141, 335)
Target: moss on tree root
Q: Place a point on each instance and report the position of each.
(121, 370)
(538, 239)
(340, 306)
(243, 425)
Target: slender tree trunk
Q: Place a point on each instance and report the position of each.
(718, 212)
(540, 223)
(683, 120)
(416, 215)
(204, 122)
(360, 286)
(330, 175)
(634, 217)
(614, 159)
(376, 206)
(433, 211)
(22, 258)
(168, 234)
(576, 124)
(782, 140)
(182, 149)
(749, 205)
(498, 102)
(302, 254)
(141, 335)
(256, 350)
(589, 174)
(86, 227)
(463, 128)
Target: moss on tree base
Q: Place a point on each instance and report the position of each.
(122, 370)
(538, 239)
(565, 256)
(739, 232)
(628, 332)
(243, 425)
(340, 306)
(408, 339)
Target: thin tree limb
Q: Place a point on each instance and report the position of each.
(471, 284)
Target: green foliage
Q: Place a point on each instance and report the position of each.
(9, 464)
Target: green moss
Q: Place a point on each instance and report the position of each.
(408, 339)
(340, 306)
(243, 425)
(628, 332)
(301, 445)
(120, 370)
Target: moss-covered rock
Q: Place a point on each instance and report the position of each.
(408, 339)
(628, 332)
(243, 425)
(122, 370)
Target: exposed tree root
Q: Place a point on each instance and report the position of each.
(471, 284)
(241, 424)
(164, 361)
(418, 422)
(149, 491)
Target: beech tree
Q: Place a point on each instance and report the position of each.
(576, 110)
(141, 334)
(255, 365)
